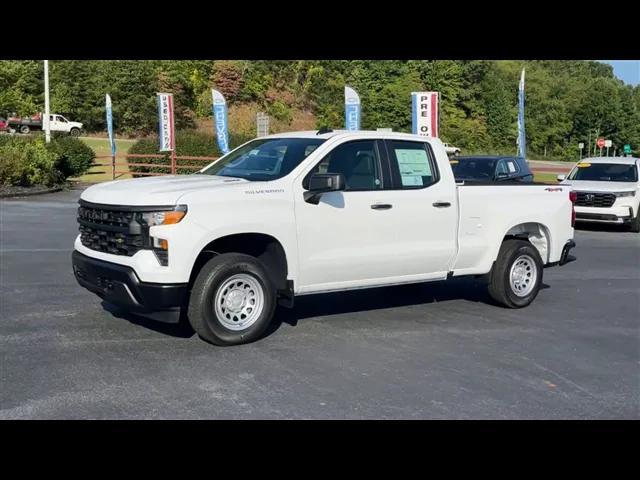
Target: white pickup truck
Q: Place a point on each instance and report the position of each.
(311, 212)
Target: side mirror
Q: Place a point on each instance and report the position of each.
(320, 183)
(561, 178)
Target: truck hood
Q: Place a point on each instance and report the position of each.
(161, 190)
(598, 186)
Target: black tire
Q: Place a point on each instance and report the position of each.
(500, 285)
(634, 226)
(24, 129)
(75, 132)
(215, 274)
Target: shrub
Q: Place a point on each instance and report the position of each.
(74, 157)
(189, 143)
(27, 161)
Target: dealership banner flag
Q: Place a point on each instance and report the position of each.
(522, 139)
(166, 130)
(424, 113)
(112, 142)
(351, 109)
(221, 121)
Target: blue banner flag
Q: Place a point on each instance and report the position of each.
(221, 121)
(112, 142)
(351, 109)
(522, 139)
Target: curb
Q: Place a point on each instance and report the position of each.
(30, 194)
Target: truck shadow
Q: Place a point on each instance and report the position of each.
(179, 326)
(327, 304)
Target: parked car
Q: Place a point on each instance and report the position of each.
(4, 126)
(306, 213)
(607, 189)
(490, 169)
(451, 150)
(57, 123)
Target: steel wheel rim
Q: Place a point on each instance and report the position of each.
(523, 275)
(239, 301)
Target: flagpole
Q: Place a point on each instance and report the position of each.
(45, 120)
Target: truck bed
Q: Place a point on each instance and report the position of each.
(487, 214)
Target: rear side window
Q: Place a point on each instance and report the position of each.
(507, 167)
(413, 164)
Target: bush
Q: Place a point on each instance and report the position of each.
(189, 143)
(26, 162)
(74, 157)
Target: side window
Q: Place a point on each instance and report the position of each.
(60, 118)
(358, 161)
(414, 162)
(502, 170)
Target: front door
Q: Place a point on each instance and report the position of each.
(348, 238)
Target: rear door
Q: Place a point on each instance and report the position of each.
(424, 210)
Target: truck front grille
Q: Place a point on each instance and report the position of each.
(594, 199)
(110, 231)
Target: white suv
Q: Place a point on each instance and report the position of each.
(607, 190)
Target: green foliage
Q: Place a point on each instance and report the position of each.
(73, 156)
(27, 161)
(189, 143)
(566, 101)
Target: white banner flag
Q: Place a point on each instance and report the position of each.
(425, 115)
(166, 131)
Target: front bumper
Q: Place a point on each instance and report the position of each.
(621, 214)
(119, 284)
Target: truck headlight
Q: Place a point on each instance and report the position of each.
(168, 217)
(632, 193)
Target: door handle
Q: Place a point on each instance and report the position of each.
(441, 204)
(381, 206)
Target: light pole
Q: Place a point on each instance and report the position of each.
(45, 120)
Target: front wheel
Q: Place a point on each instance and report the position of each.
(516, 276)
(232, 300)
(75, 132)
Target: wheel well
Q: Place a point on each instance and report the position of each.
(534, 233)
(267, 249)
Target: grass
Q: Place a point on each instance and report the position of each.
(545, 177)
(101, 147)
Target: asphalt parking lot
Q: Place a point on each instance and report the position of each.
(438, 350)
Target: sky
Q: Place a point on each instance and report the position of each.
(626, 70)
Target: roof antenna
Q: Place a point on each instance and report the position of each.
(324, 130)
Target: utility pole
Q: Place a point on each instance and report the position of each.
(45, 120)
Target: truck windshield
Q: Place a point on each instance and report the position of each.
(264, 159)
(605, 172)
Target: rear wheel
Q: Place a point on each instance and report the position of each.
(516, 275)
(232, 300)
(25, 129)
